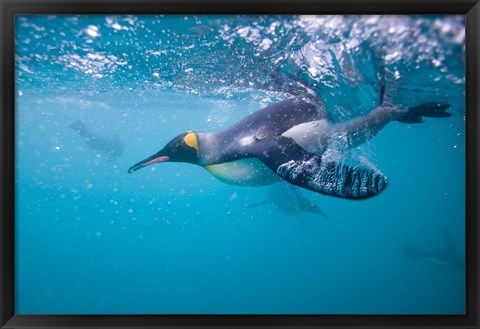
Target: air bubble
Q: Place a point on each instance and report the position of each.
(92, 31)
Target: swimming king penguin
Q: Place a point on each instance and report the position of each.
(286, 141)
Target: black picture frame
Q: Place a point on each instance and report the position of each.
(8, 10)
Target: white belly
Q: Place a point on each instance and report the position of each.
(249, 172)
(312, 136)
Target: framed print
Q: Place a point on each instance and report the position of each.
(208, 164)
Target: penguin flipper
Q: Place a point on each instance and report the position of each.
(307, 170)
(333, 178)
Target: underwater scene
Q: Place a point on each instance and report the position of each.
(240, 164)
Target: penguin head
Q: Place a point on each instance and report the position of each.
(183, 148)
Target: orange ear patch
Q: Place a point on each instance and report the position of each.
(191, 140)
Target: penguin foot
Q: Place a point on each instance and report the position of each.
(431, 110)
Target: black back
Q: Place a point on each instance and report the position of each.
(264, 124)
(275, 119)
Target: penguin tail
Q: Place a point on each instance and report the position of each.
(430, 110)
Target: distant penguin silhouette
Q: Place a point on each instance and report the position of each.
(289, 200)
(445, 256)
(109, 146)
(286, 141)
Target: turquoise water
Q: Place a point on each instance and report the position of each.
(172, 239)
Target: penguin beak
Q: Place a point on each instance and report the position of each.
(156, 158)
